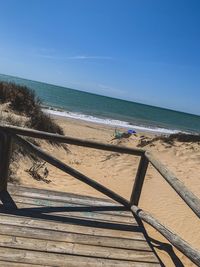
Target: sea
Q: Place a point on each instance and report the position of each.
(71, 103)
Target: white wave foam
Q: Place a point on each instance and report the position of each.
(111, 122)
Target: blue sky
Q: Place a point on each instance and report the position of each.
(146, 51)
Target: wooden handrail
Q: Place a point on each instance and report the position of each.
(71, 140)
(190, 199)
(175, 240)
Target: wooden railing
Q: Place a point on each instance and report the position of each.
(9, 134)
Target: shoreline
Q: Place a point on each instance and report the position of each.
(108, 122)
(102, 109)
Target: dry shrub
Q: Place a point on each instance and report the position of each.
(25, 102)
(43, 122)
(21, 98)
(170, 139)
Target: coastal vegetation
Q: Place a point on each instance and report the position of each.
(23, 101)
(19, 106)
(170, 139)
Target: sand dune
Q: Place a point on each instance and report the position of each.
(117, 172)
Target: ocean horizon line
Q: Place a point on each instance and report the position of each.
(96, 94)
(108, 110)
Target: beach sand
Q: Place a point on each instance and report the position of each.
(117, 172)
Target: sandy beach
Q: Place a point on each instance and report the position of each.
(117, 172)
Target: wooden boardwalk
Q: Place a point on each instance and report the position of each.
(47, 228)
(59, 229)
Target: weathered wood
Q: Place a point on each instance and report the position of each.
(57, 196)
(67, 237)
(33, 237)
(7, 201)
(2, 141)
(76, 249)
(84, 217)
(115, 211)
(71, 211)
(64, 197)
(67, 169)
(175, 240)
(5, 153)
(46, 223)
(61, 260)
(19, 264)
(70, 140)
(190, 199)
(52, 198)
(139, 180)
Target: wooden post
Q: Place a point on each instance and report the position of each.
(5, 152)
(139, 180)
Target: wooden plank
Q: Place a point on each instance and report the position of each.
(53, 235)
(62, 196)
(7, 201)
(135, 233)
(139, 180)
(65, 199)
(190, 199)
(26, 256)
(72, 212)
(70, 140)
(18, 264)
(76, 249)
(175, 240)
(67, 169)
(97, 209)
(51, 198)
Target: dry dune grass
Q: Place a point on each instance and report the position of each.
(23, 101)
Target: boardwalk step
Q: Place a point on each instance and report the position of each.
(72, 225)
(55, 259)
(53, 235)
(75, 249)
(59, 229)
